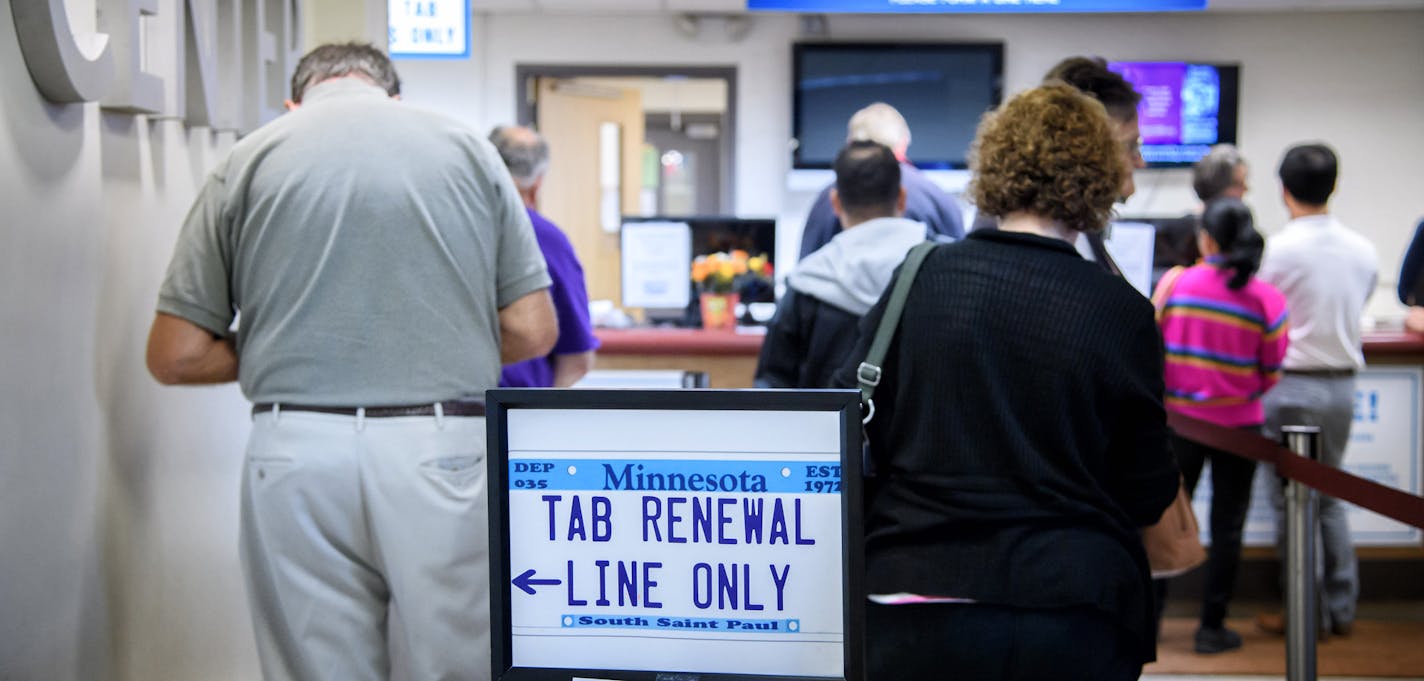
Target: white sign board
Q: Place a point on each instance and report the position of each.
(656, 264)
(665, 539)
(428, 29)
(1384, 447)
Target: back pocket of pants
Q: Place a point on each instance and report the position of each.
(459, 471)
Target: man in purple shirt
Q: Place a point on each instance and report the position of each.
(526, 154)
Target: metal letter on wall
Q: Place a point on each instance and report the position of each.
(66, 67)
(272, 43)
(196, 85)
(230, 65)
(137, 90)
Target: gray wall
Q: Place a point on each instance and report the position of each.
(117, 497)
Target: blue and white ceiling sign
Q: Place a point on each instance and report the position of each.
(428, 29)
(976, 6)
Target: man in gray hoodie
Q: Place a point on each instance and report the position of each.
(816, 324)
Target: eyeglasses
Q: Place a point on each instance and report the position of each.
(1133, 148)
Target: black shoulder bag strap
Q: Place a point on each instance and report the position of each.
(868, 373)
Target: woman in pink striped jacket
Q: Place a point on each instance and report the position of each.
(1225, 335)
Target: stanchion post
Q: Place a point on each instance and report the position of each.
(1302, 618)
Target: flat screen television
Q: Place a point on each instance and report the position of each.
(942, 90)
(657, 257)
(1186, 108)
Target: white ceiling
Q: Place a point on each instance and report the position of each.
(726, 6)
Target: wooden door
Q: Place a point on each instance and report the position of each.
(571, 117)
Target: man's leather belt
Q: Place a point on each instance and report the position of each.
(1322, 373)
(449, 408)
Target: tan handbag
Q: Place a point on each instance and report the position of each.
(1174, 543)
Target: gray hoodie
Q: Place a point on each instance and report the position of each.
(853, 269)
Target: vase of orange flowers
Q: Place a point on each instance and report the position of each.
(719, 279)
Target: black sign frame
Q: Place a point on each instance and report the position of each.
(500, 402)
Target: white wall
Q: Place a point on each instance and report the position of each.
(1355, 80)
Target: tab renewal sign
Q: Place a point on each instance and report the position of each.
(428, 29)
(980, 6)
(679, 540)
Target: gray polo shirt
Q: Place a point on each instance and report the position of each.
(369, 246)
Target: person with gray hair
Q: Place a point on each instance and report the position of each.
(1221, 173)
(343, 60)
(882, 124)
(384, 268)
(526, 154)
(925, 201)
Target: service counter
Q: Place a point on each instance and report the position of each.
(1386, 353)
(730, 362)
(728, 358)
(1395, 346)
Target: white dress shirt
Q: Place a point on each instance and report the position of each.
(1327, 273)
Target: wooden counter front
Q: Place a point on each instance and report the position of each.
(729, 359)
(1395, 345)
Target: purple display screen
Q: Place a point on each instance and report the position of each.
(1185, 108)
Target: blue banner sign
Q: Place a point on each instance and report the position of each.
(681, 475)
(976, 6)
(674, 623)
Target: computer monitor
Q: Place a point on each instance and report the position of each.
(657, 254)
(942, 90)
(1186, 108)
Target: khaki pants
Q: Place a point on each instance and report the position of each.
(344, 518)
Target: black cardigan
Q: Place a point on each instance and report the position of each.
(1020, 439)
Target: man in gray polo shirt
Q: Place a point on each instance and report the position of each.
(384, 267)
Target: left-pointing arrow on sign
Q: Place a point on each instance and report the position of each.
(526, 581)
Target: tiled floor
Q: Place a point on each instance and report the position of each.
(1386, 644)
(1188, 677)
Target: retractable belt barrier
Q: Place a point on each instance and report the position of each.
(1386, 501)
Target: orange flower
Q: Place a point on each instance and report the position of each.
(729, 272)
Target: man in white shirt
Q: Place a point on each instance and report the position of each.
(1327, 273)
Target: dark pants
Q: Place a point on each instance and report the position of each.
(987, 642)
(1231, 478)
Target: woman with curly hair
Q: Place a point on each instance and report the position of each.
(1020, 440)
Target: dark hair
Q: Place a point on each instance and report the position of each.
(1231, 226)
(867, 180)
(1308, 172)
(1092, 77)
(338, 60)
(1050, 152)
